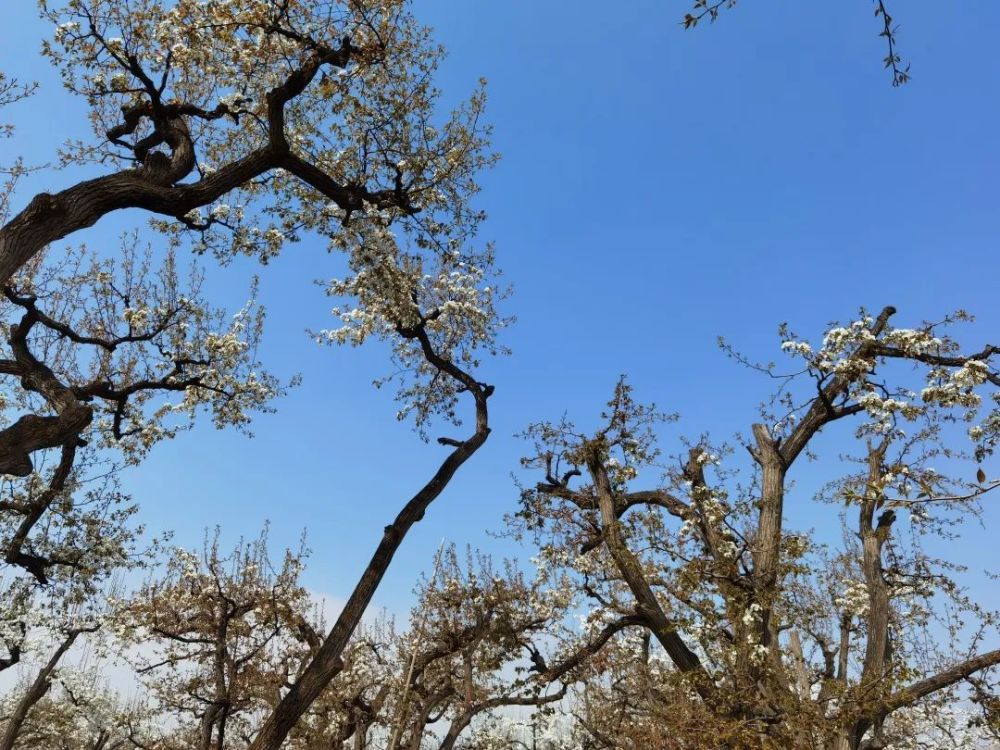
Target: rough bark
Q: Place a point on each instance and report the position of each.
(631, 570)
(875, 666)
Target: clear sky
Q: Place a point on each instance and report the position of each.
(658, 188)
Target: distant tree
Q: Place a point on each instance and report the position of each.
(217, 640)
(763, 637)
(473, 648)
(482, 642)
(80, 711)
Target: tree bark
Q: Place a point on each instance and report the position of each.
(631, 570)
(326, 663)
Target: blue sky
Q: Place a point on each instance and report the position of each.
(658, 188)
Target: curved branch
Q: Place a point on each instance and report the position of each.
(326, 663)
(945, 678)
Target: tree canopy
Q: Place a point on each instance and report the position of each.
(669, 600)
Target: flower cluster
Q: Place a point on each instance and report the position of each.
(390, 296)
(853, 598)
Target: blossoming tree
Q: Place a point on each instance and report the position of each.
(215, 641)
(237, 127)
(765, 637)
